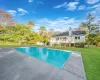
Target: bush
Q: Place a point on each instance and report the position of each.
(56, 44)
(48, 43)
(31, 42)
(98, 44)
(80, 45)
(65, 44)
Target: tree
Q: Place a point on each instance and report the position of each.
(6, 19)
(44, 34)
(89, 25)
(19, 33)
(42, 30)
(50, 33)
(30, 22)
(23, 32)
(98, 25)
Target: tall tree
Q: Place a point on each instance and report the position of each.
(42, 30)
(50, 33)
(43, 34)
(30, 22)
(89, 25)
(98, 25)
(6, 19)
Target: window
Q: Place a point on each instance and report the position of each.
(57, 38)
(77, 37)
(64, 38)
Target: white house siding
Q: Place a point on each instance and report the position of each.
(67, 39)
(82, 38)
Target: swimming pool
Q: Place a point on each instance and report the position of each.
(53, 57)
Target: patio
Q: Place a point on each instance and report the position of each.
(17, 66)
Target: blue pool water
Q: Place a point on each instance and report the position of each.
(53, 57)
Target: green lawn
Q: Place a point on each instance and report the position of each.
(91, 59)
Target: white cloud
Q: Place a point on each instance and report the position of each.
(61, 5)
(60, 23)
(96, 12)
(30, 1)
(22, 11)
(40, 2)
(12, 12)
(95, 6)
(95, 9)
(82, 7)
(92, 1)
(72, 5)
(68, 6)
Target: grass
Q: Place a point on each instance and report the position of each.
(91, 59)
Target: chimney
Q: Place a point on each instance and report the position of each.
(70, 31)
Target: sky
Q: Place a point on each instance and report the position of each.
(56, 14)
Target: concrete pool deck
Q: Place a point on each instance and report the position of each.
(17, 66)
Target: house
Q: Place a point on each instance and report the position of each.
(71, 36)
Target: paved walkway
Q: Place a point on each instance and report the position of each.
(17, 66)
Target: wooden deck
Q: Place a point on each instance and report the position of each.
(17, 66)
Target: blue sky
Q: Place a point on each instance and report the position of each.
(57, 14)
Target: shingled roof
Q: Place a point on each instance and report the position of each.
(73, 33)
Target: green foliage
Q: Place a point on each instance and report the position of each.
(44, 34)
(30, 22)
(17, 33)
(90, 27)
(97, 40)
(80, 45)
(42, 30)
(23, 34)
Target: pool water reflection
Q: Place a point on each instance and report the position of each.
(53, 57)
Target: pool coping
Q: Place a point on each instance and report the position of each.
(72, 52)
(82, 65)
(66, 62)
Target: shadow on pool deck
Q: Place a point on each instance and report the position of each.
(17, 66)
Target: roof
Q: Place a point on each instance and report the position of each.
(73, 33)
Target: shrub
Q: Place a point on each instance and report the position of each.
(31, 42)
(56, 44)
(48, 43)
(98, 44)
(80, 45)
(65, 44)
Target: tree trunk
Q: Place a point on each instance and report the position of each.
(69, 44)
(74, 44)
(88, 44)
(88, 38)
